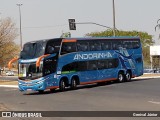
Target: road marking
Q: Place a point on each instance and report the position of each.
(154, 102)
(9, 86)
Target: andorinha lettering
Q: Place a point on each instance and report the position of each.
(92, 56)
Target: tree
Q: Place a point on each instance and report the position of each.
(8, 49)
(156, 62)
(146, 40)
(65, 35)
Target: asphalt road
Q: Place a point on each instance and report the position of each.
(13, 78)
(138, 95)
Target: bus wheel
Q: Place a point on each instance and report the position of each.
(128, 76)
(62, 85)
(73, 83)
(120, 77)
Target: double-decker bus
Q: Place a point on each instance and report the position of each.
(68, 62)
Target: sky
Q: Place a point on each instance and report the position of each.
(43, 19)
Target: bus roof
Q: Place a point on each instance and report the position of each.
(43, 40)
(89, 38)
(92, 38)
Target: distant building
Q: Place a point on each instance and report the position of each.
(155, 57)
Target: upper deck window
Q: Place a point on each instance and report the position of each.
(106, 45)
(136, 44)
(116, 45)
(95, 46)
(82, 46)
(131, 44)
(68, 47)
(53, 46)
(33, 50)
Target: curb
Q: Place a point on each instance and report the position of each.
(146, 77)
(9, 86)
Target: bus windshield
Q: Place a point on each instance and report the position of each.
(30, 71)
(33, 50)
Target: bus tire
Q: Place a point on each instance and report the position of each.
(128, 76)
(62, 85)
(73, 83)
(120, 77)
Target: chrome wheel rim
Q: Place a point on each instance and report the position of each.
(120, 77)
(128, 77)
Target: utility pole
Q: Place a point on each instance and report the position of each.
(114, 20)
(19, 5)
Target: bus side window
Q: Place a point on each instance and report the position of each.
(70, 67)
(136, 44)
(106, 45)
(82, 66)
(52, 47)
(102, 64)
(127, 44)
(82, 46)
(95, 46)
(113, 63)
(116, 45)
(116, 62)
(110, 64)
(50, 50)
(92, 65)
(68, 47)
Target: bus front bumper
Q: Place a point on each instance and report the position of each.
(34, 85)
